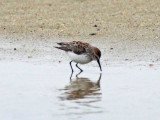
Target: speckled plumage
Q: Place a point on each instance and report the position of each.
(80, 52)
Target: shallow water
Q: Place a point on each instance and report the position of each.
(47, 92)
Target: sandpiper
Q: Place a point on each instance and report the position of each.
(80, 52)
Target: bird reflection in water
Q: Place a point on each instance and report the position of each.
(81, 96)
(81, 88)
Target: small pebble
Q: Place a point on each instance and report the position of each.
(29, 56)
(111, 48)
(15, 49)
(95, 26)
(92, 34)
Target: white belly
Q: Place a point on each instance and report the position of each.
(82, 59)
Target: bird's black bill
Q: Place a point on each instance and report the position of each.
(99, 64)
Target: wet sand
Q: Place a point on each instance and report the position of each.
(43, 51)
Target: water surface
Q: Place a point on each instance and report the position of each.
(49, 92)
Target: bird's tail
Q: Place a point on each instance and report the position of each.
(63, 46)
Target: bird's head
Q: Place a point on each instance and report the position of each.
(98, 56)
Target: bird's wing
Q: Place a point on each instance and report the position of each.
(76, 46)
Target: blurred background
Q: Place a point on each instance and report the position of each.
(133, 19)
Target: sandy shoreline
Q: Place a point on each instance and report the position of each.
(125, 31)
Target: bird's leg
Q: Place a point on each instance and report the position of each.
(79, 67)
(71, 77)
(78, 74)
(98, 82)
(71, 66)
